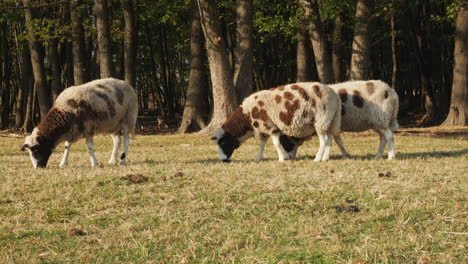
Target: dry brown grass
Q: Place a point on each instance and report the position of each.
(194, 209)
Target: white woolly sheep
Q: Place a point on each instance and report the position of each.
(365, 105)
(296, 110)
(106, 106)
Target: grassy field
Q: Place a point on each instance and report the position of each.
(194, 209)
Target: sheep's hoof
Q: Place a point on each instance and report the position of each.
(63, 165)
(122, 162)
(113, 162)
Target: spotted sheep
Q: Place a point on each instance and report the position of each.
(295, 110)
(106, 106)
(366, 105)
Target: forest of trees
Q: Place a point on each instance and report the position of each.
(193, 61)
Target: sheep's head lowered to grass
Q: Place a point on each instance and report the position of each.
(39, 149)
(226, 142)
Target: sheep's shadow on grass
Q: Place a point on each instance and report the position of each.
(433, 154)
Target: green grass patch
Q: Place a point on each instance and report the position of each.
(191, 208)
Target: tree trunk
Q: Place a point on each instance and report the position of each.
(243, 74)
(27, 86)
(338, 60)
(196, 106)
(54, 59)
(104, 44)
(360, 58)
(458, 113)
(394, 55)
(318, 39)
(80, 63)
(43, 92)
(424, 67)
(304, 71)
(130, 41)
(159, 96)
(5, 75)
(224, 95)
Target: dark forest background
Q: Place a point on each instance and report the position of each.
(192, 62)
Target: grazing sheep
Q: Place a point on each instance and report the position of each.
(296, 110)
(365, 105)
(106, 106)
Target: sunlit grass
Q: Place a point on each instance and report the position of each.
(193, 208)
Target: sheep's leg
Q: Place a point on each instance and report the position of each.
(277, 144)
(126, 142)
(64, 161)
(322, 139)
(90, 146)
(293, 152)
(391, 144)
(263, 141)
(383, 142)
(326, 150)
(117, 139)
(339, 142)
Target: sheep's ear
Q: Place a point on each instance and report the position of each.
(214, 138)
(24, 147)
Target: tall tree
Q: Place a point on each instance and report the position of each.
(458, 113)
(338, 60)
(224, 95)
(104, 41)
(243, 72)
(304, 69)
(37, 61)
(5, 76)
(25, 89)
(196, 106)
(80, 63)
(360, 58)
(318, 39)
(130, 41)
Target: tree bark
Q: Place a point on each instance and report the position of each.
(338, 60)
(80, 63)
(304, 71)
(318, 39)
(224, 95)
(104, 44)
(243, 73)
(196, 106)
(130, 41)
(56, 83)
(43, 92)
(5, 75)
(360, 58)
(394, 55)
(458, 113)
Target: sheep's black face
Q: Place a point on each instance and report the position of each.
(227, 143)
(39, 150)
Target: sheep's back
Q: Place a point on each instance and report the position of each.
(102, 104)
(366, 104)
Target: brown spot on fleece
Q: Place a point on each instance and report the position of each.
(288, 96)
(120, 95)
(281, 87)
(301, 91)
(237, 124)
(317, 91)
(343, 95)
(305, 114)
(110, 104)
(287, 117)
(260, 103)
(255, 124)
(84, 111)
(55, 124)
(259, 114)
(386, 95)
(358, 101)
(103, 87)
(314, 103)
(278, 98)
(370, 87)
